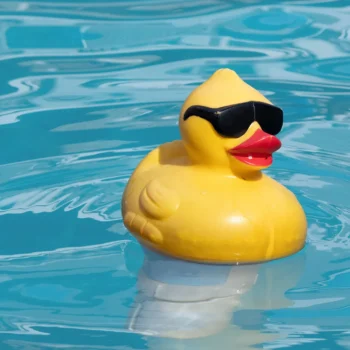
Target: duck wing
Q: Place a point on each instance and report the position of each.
(158, 201)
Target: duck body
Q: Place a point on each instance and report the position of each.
(229, 212)
(197, 214)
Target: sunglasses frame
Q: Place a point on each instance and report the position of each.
(215, 116)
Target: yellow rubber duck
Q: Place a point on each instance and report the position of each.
(204, 198)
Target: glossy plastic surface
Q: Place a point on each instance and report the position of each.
(205, 199)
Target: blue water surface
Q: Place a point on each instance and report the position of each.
(87, 88)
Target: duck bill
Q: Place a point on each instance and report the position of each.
(257, 150)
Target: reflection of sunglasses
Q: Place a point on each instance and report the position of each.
(234, 120)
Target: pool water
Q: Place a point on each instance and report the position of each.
(87, 88)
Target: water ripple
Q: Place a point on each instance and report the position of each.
(88, 89)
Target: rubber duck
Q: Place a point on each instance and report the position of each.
(204, 198)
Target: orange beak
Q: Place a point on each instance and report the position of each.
(257, 150)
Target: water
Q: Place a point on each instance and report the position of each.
(87, 89)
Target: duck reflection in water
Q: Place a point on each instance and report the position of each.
(182, 300)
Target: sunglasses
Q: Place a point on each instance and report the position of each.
(234, 120)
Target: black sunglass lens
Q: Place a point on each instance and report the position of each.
(235, 121)
(270, 118)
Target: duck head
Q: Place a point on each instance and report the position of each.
(226, 124)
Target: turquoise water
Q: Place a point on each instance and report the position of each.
(87, 88)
